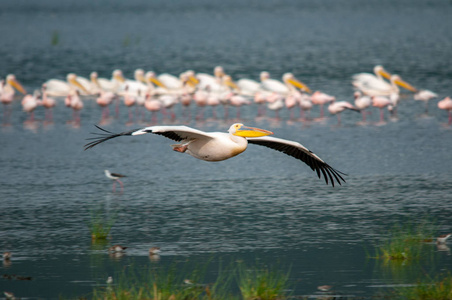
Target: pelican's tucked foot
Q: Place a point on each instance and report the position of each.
(180, 147)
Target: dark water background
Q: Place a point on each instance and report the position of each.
(260, 206)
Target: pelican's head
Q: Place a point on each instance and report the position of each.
(400, 82)
(288, 78)
(139, 75)
(218, 71)
(239, 129)
(11, 80)
(379, 70)
(72, 79)
(229, 82)
(117, 75)
(264, 75)
(192, 80)
(93, 76)
(150, 77)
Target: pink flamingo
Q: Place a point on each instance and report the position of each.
(185, 99)
(129, 101)
(153, 105)
(29, 104)
(335, 108)
(238, 101)
(305, 105)
(291, 101)
(260, 98)
(425, 95)
(213, 100)
(361, 103)
(319, 98)
(104, 100)
(76, 104)
(141, 98)
(200, 98)
(48, 103)
(275, 103)
(381, 102)
(446, 104)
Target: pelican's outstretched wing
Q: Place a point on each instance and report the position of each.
(176, 133)
(300, 152)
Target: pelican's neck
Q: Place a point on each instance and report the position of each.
(394, 86)
(239, 140)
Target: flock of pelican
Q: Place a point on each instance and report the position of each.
(160, 93)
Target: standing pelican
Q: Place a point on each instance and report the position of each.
(218, 146)
(9, 86)
(61, 88)
(7, 91)
(371, 81)
(138, 85)
(113, 84)
(386, 89)
(248, 87)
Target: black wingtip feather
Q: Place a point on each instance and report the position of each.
(102, 137)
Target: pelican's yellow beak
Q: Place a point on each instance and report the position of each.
(251, 132)
(140, 77)
(79, 85)
(14, 83)
(119, 77)
(219, 73)
(157, 82)
(193, 80)
(300, 85)
(231, 84)
(405, 85)
(385, 74)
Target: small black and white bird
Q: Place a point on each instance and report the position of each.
(117, 248)
(218, 146)
(442, 239)
(115, 177)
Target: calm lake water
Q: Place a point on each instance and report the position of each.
(261, 206)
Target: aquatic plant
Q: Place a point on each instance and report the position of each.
(430, 289)
(99, 225)
(55, 38)
(178, 282)
(406, 242)
(157, 284)
(262, 283)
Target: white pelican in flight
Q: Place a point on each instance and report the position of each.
(218, 146)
